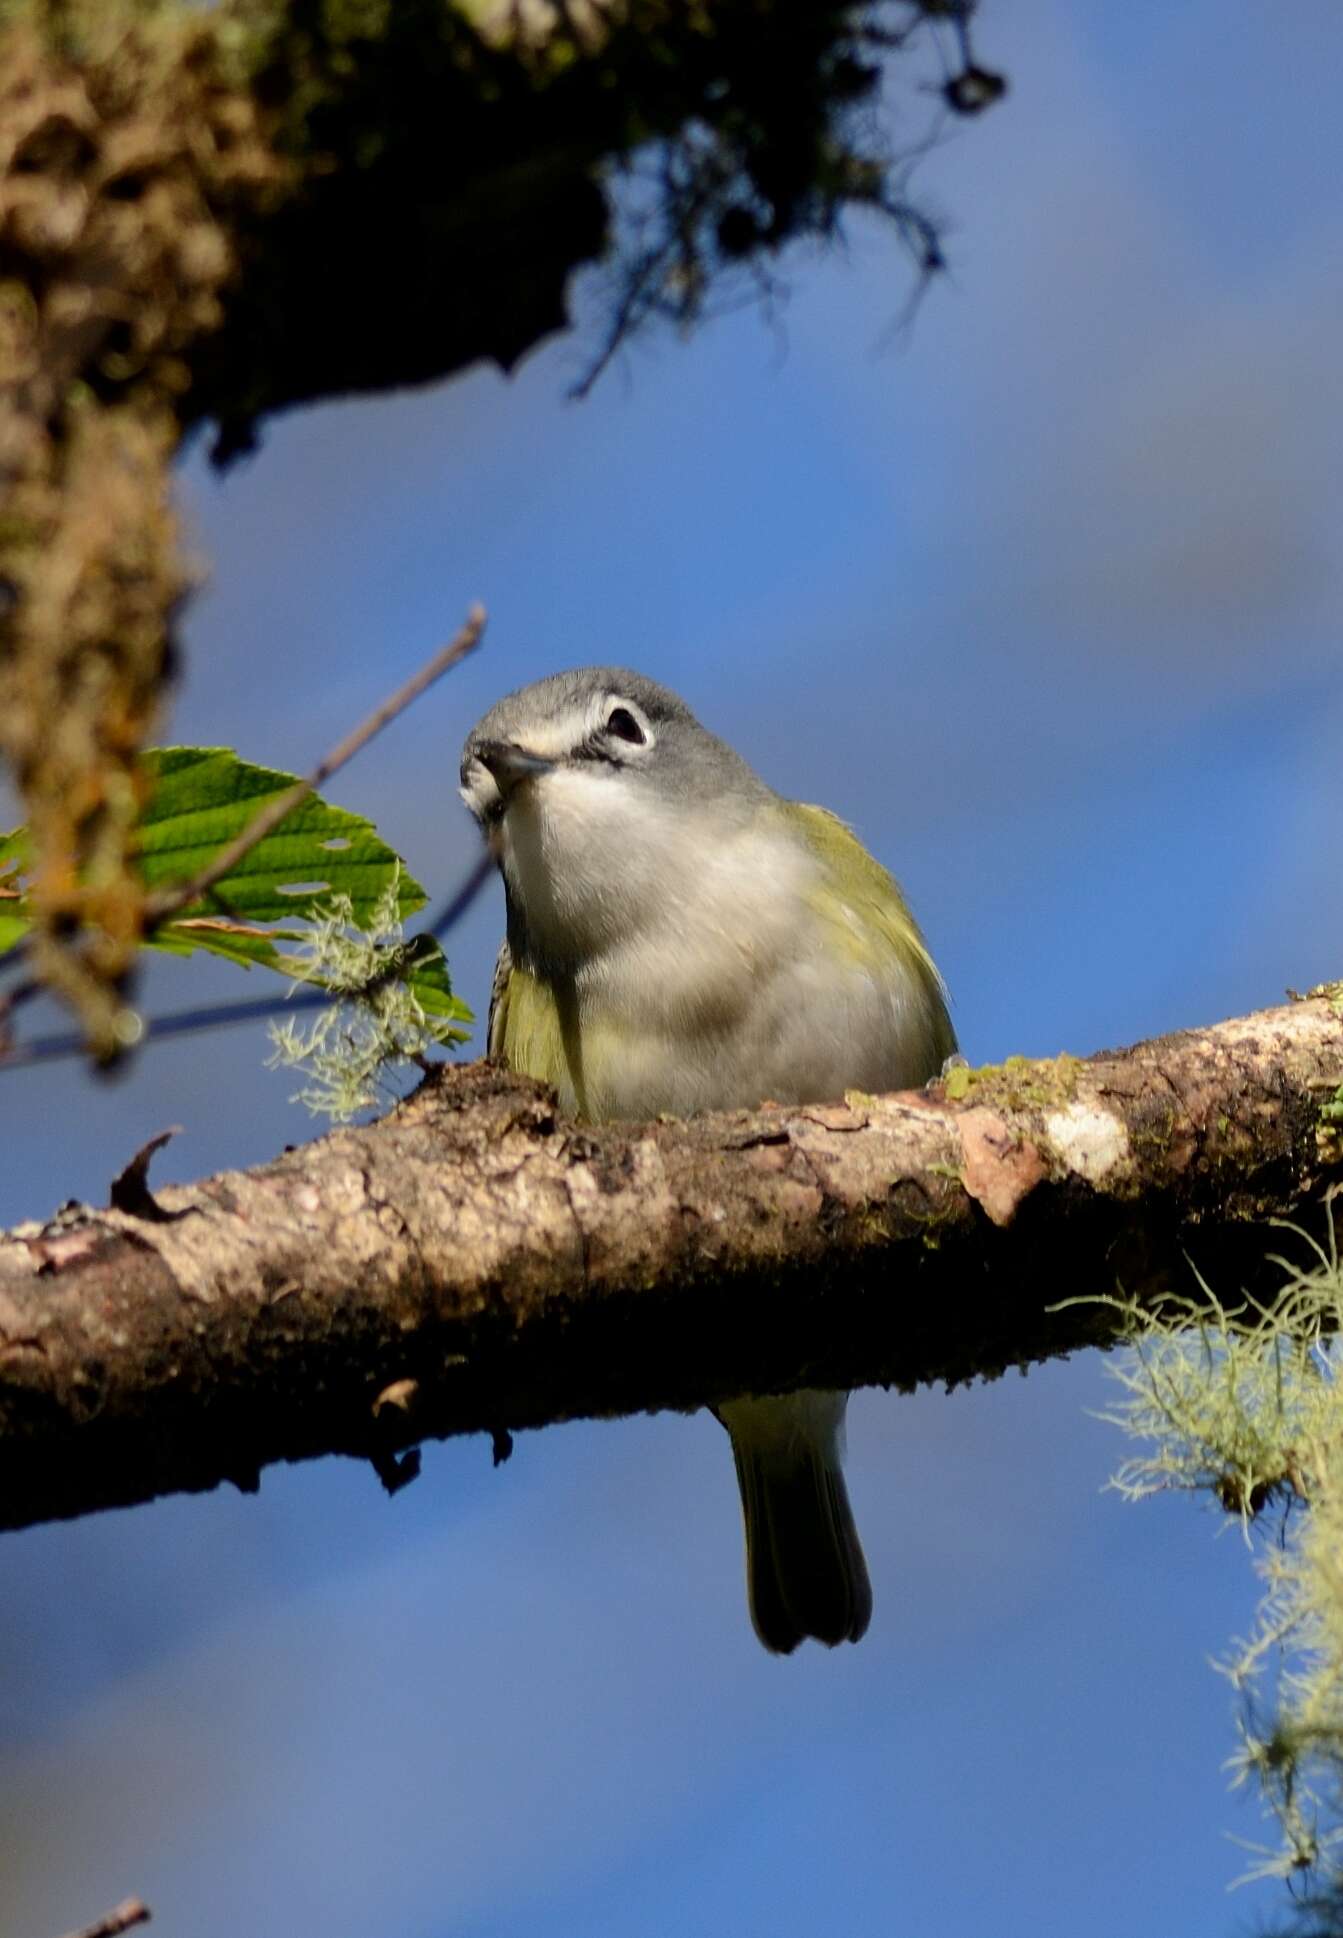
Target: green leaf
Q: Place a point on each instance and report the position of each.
(242, 942)
(14, 920)
(204, 796)
(426, 974)
(200, 799)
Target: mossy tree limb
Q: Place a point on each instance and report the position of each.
(473, 1262)
(208, 215)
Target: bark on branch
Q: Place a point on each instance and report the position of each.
(476, 1262)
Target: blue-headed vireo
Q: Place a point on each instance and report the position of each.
(681, 938)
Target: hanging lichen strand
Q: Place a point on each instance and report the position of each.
(118, 150)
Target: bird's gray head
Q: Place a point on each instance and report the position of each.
(595, 788)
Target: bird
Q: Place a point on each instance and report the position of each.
(682, 938)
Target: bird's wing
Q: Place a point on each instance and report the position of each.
(858, 885)
(525, 1030)
(497, 1026)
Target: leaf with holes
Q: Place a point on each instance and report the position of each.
(202, 797)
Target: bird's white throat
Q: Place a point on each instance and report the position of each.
(598, 866)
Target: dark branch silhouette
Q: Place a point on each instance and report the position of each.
(122, 1917)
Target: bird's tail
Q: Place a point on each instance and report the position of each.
(805, 1572)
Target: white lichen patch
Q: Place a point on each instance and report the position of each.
(1092, 1142)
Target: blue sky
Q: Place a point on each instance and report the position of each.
(1042, 595)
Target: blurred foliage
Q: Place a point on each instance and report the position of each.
(122, 149)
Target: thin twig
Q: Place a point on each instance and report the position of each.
(169, 900)
(131, 1911)
(178, 1022)
(461, 899)
(22, 992)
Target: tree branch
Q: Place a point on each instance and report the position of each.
(474, 1262)
(122, 1917)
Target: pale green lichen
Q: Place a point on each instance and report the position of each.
(1244, 1403)
(376, 1022)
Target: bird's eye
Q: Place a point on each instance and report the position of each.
(622, 724)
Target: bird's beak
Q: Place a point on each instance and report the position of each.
(509, 763)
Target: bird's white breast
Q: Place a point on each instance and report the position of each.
(700, 973)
